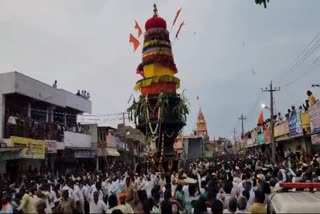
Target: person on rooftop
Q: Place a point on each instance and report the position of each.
(312, 98)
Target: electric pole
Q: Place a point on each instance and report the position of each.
(273, 145)
(242, 118)
(234, 135)
(124, 118)
(235, 139)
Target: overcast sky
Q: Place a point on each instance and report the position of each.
(228, 50)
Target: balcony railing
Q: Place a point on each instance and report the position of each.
(40, 130)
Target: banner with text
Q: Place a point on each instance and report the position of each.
(51, 146)
(295, 127)
(314, 112)
(33, 149)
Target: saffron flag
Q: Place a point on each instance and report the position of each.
(177, 15)
(261, 119)
(177, 34)
(134, 41)
(137, 26)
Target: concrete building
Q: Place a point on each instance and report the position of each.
(34, 114)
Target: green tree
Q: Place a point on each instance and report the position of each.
(264, 2)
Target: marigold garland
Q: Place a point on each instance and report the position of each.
(148, 81)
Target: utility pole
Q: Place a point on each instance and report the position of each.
(235, 138)
(273, 145)
(242, 118)
(123, 118)
(234, 135)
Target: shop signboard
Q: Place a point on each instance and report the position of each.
(60, 145)
(254, 136)
(281, 129)
(295, 127)
(314, 112)
(260, 139)
(266, 135)
(33, 149)
(315, 139)
(51, 146)
(84, 154)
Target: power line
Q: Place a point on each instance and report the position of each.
(304, 74)
(302, 56)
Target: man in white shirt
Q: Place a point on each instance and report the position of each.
(148, 187)
(96, 205)
(79, 195)
(113, 187)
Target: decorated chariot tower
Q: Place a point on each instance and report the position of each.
(160, 112)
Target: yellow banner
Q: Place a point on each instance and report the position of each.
(305, 120)
(281, 129)
(34, 149)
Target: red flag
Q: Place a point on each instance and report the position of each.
(179, 29)
(137, 26)
(261, 119)
(134, 41)
(177, 15)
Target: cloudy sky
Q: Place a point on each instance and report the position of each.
(227, 51)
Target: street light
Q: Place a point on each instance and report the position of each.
(125, 146)
(264, 106)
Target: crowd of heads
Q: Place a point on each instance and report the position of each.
(218, 185)
(83, 94)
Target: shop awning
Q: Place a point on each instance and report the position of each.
(113, 152)
(10, 153)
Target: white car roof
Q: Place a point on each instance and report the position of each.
(296, 202)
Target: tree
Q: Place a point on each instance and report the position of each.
(264, 2)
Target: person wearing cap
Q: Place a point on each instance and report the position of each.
(123, 206)
(260, 180)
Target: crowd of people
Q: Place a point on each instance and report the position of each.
(225, 184)
(278, 118)
(302, 108)
(83, 94)
(21, 126)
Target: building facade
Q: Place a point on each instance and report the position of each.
(298, 134)
(41, 120)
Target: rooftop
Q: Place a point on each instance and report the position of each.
(15, 82)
